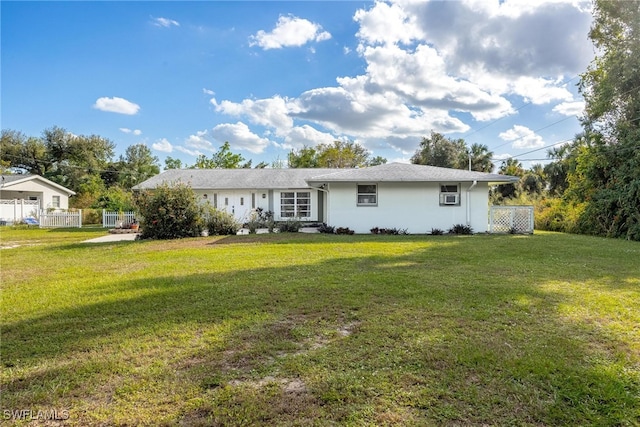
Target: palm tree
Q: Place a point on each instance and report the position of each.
(481, 158)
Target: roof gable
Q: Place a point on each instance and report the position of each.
(7, 181)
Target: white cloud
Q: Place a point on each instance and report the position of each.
(240, 137)
(300, 136)
(184, 150)
(116, 105)
(388, 24)
(199, 142)
(574, 108)
(271, 112)
(289, 31)
(165, 22)
(430, 66)
(522, 137)
(208, 91)
(162, 145)
(134, 131)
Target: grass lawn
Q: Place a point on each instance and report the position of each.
(298, 329)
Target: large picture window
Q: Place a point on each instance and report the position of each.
(295, 204)
(367, 195)
(449, 195)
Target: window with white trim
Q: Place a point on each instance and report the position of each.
(367, 195)
(55, 201)
(449, 194)
(295, 204)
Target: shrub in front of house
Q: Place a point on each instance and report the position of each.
(326, 229)
(344, 230)
(460, 229)
(390, 231)
(437, 232)
(169, 212)
(292, 225)
(221, 223)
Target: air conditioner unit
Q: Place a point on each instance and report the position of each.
(450, 199)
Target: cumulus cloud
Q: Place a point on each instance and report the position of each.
(429, 66)
(116, 105)
(522, 137)
(199, 142)
(131, 131)
(162, 145)
(573, 108)
(165, 22)
(240, 137)
(289, 31)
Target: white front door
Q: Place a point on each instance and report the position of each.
(236, 203)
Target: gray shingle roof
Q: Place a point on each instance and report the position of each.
(400, 172)
(230, 179)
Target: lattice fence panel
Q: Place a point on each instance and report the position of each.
(506, 219)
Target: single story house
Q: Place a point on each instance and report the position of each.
(25, 195)
(395, 195)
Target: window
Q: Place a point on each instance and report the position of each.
(241, 201)
(367, 195)
(226, 201)
(295, 204)
(449, 195)
(55, 202)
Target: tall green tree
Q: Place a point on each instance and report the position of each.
(171, 163)
(138, 164)
(224, 158)
(438, 150)
(339, 154)
(607, 163)
(480, 158)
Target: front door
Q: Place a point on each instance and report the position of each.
(236, 203)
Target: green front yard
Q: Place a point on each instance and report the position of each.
(297, 329)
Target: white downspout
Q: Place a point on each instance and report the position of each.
(475, 182)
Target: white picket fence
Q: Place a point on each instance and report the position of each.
(111, 219)
(507, 219)
(60, 219)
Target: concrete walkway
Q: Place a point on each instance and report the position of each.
(113, 238)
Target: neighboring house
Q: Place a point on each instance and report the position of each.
(24, 196)
(396, 195)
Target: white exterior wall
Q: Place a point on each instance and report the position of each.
(35, 188)
(270, 201)
(411, 205)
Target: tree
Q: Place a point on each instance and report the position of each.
(306, 157)
(481, 158)
(514, 168)
(171, 163)
(221, 159)
(606, 177)
(339, 154)
(438, 150)
(138, 164)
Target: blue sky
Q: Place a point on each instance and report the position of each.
(271, 76)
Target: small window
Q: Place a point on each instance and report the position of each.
(55, 202)
(367, 195)
(449, 195)
(215, 200)
(226, 201)
(241, 201)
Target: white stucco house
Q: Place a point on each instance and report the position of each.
(25, 195)
(395, 195)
